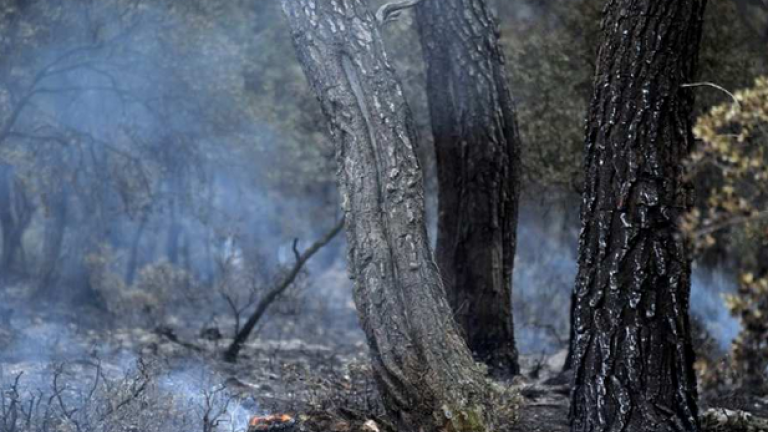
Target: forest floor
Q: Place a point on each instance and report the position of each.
(321, 376)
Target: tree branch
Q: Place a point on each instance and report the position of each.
(390, 11)
(234, 349)
(730, 223)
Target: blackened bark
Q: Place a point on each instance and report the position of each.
(568, 365)
(477, 147)
(426, 375)
(632, 353)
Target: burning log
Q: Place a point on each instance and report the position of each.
(272, 423)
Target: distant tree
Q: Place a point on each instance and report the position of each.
(426, 374)
(16, 211)
(477, 145)
(632, 353)
(57, 212)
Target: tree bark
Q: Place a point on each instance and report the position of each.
(632, 352)
(425, 373)
(477, 147)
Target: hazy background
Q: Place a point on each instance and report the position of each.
(158, 158)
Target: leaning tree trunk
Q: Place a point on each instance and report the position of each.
(426, 374)
(477, 145)
(632, 353)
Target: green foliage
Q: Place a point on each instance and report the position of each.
(462, 420)
(551, 61)
(732, 148)
(551, 57)
(750, 349)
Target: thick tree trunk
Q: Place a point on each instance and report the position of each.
(426, 374)
(477, 144)
(632, 354)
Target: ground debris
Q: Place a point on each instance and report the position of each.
(724, 420)
(342, 421)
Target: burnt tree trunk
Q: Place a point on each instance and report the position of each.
(426, 375)
(476, 144)
(632, 353)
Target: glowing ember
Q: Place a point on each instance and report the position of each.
(278, 422)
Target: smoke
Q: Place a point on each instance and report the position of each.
(708, 288)
(545, 272)
(194, 386)
(96, 396)
(97, 379)
(545, 269)
(182, 133)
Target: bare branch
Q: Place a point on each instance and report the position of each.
(715, 86)
(390, 11)
(237, 344)
(756, 217)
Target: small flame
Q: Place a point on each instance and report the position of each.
(270, 420)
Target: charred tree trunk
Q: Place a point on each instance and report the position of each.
(632, 353)
(477, 145)
(426, 374)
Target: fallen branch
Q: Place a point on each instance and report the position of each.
(169, 334)
(234, 349)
